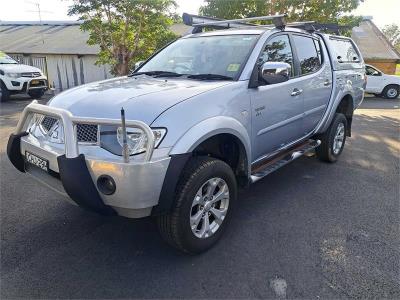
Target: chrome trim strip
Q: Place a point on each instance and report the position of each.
(314, 110)
(69, 123)
(290, 120)
(280, 124)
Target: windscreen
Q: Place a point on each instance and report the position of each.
(5, 59)
(222, 55)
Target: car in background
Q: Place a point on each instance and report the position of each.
(381, 84)
(16, 78)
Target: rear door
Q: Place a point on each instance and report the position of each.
(315, 70)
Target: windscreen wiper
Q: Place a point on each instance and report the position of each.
(210, 77)
(156, 74)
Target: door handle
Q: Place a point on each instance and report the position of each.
(296, 92)
(327, 82)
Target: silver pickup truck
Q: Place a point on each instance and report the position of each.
(213, 111)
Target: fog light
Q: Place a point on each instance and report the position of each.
(15, 83)
(106, 185)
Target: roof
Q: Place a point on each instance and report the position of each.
(372, 42)
(46, 38)
(53, 37)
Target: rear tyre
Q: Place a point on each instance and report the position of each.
(391, 91)
(36, 94)
(5, 94)
(204, 199)
(333, 140)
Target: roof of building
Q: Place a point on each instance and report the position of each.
(372, 42)
(45, 38)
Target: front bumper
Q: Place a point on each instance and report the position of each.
(25, 84)
(75, 170)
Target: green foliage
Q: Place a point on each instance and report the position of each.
(392, 32)
(327, 11)
(126, 30)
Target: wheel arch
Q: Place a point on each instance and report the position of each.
(346, 107)
(209, 128)
(206, 138)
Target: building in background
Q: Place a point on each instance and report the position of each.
(58, 48)
(375, 47)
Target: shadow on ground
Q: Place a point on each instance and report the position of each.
(325, 230)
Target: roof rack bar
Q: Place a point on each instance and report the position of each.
(203, 21)
(278, 18)
(199, 22)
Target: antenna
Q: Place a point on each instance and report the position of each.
(39, 11)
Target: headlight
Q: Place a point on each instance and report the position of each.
(13, 75)
(55, 134)
(137, 139)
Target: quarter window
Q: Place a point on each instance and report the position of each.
(278, 49)
(310, 60)
(344, 50)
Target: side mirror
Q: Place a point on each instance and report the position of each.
(275, 72)
(138, 64)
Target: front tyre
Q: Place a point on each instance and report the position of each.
(4, 92)
(391, 91)
(205, 197)
(36, 94)
(333, 140)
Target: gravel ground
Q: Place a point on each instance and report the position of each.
(309, 230)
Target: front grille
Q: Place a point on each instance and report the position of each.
(31, 74)
(48, 122)
(86, 133)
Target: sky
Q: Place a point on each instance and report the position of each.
(383, 11)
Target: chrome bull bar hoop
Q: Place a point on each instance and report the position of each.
(69, 122)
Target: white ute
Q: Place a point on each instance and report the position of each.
(381, 84)
(16, 78)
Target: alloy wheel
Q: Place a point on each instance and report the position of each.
(209, 207)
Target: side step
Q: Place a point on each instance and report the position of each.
(279, 161)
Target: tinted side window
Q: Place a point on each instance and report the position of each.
(344, 51)
(371, 71)
(308, 56)
(278, 50)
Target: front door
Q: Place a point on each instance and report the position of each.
(277, 108)
(374, 80)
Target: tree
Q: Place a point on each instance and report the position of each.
(392, 32)
(329, 11)
(125, 30)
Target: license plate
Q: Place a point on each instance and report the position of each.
(37, 161)
(35, 82)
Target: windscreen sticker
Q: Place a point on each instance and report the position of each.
(233, 67)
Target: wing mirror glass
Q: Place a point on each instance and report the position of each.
(275, 72)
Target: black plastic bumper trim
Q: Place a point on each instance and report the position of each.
(79, 185)
(14, 151)
(172, 177)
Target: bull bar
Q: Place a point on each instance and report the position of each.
(70, 121)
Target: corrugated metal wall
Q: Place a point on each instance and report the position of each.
(66, 71)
